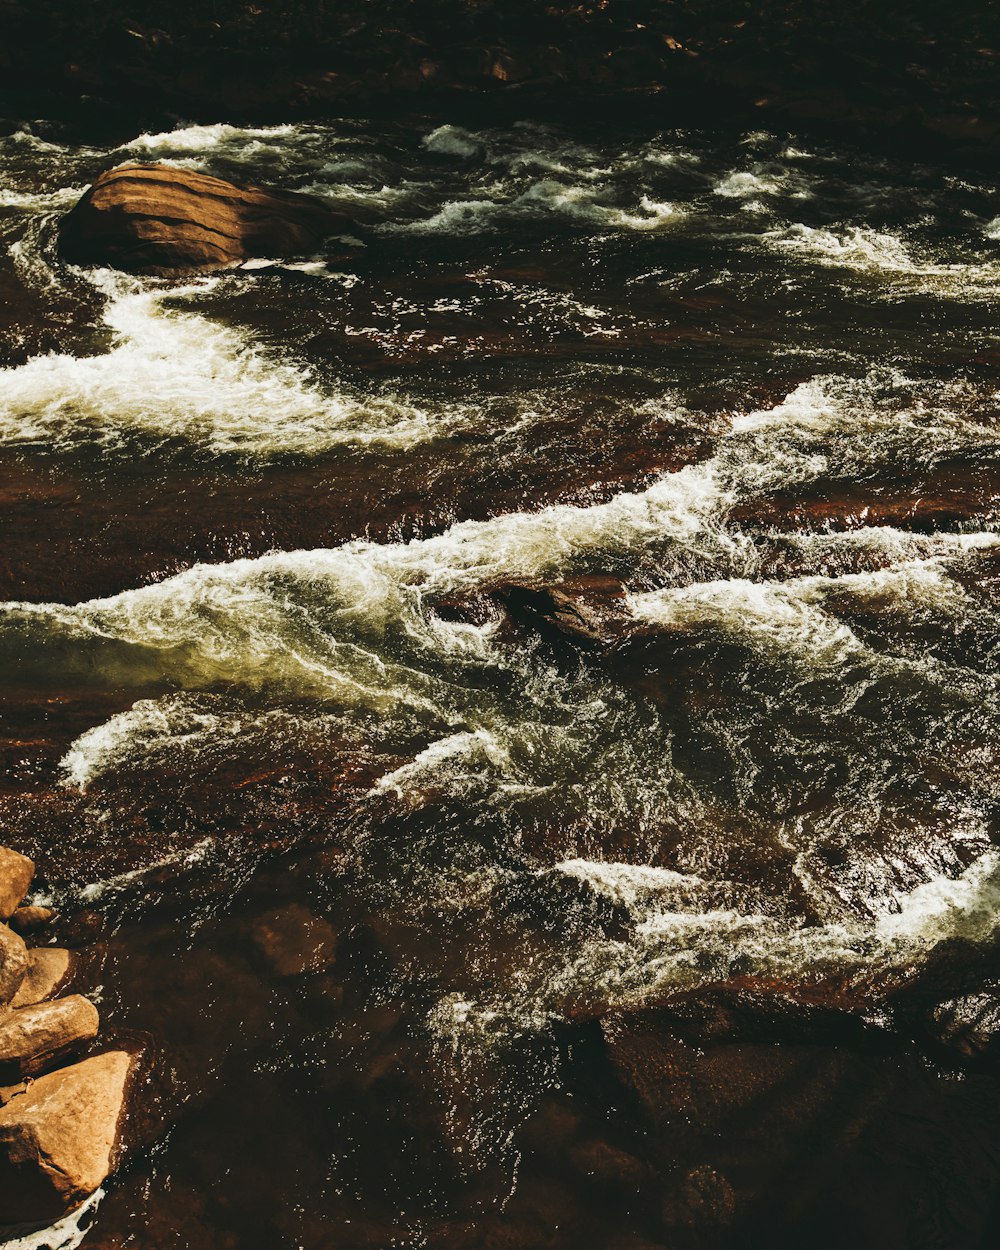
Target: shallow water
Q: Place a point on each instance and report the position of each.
(260, 647)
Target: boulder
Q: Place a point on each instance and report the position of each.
(292, 941)
(16, 872)
(13, 964)
(28, 919)
(161, 220)
(36, 1037)
(48, 969)
(59, 1137)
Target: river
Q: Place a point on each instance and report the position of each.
(278, 650)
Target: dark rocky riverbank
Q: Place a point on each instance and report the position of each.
(890, 72)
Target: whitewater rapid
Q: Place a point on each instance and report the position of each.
(808, 682)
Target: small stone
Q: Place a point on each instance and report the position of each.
(608, 1167)
(34, 1038)
(28, 919)
(293, 941)
(16, 872)
(58, 1138)
(48, 969)
(702, 1201)
(13, 964)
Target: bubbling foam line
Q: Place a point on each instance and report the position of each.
(865, 250)
(337, 622)
(204, 727)
(572, 202)
(287, 609)
(176, 375)
(209, 138)
(790, 616)
(677, 944)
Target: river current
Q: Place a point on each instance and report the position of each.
(266, 535)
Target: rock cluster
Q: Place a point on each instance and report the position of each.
(161, 220)
(60, 1121)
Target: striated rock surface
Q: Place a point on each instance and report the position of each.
(16, 872)
(34, 1038)
(58, 1138)
(13, 964)
(162, 220)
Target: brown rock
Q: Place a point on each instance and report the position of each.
(293, 941)
(13, 964)
(553, 611)
(157, 219)
(607, 1167)
(34, 1038)
(28, 919)
(16, 872)
(59, 1137)
(48, 970)
(698, 1208)
(7, 1092)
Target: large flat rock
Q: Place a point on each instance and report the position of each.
(36, 1037)
(58, 1138)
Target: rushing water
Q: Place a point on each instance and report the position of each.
(260, 530)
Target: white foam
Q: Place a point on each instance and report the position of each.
(855, 247)
(880, 253)
(65, 1234)
(580, 202)
(189, 857)
(41, 201)
(747, 183)
(209, 137)
(790, 616)
(844, 427)
(171, 722)
(627, 884)
(174, 374)
(677, 942)
(338, 622)
(452, 141)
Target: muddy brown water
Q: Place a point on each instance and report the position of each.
(659, 913)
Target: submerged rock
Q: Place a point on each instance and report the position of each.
(28, 919)
(969, 1026)
(36, 1037)
(58, 1138)
(16, 872)
(161, 220)
(292, 941)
